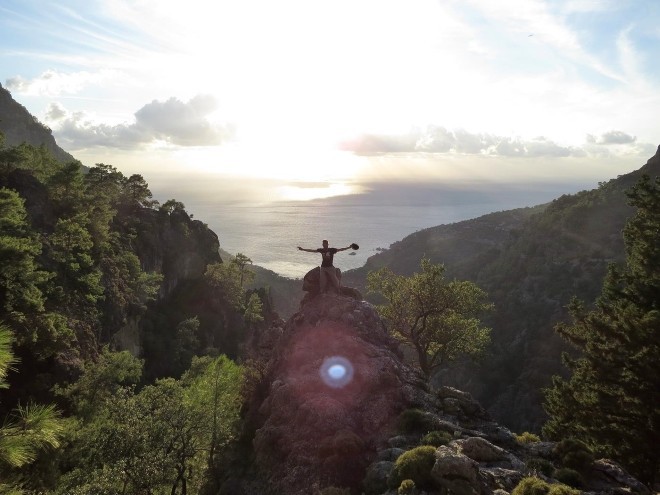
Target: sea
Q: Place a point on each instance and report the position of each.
(270, 233)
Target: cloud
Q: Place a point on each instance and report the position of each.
(612, 137)
(54, 83)
(55, 112)
(172, 121)
(368, 144)
(436, 139)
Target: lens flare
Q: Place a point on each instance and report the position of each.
(336, 371)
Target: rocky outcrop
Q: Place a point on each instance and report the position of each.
(175, 245)
(337, 386)
(341, 409)
(312, 285)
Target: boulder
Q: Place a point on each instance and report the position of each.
(456, 472)
(608, 477)
(312, 282)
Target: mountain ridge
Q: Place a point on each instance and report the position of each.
(531, 261)
(19, 126)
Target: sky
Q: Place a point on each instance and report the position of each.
(302, 99)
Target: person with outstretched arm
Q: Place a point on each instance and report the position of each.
(328, 274)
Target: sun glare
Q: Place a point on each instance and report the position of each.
(298, 193)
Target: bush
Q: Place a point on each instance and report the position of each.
(579, 460)
(539, 465)
(531, 486)
(574, 454)
(416, 465)
(415, 421)
(535, 486)
(527, 437)
(562, 490)
(568, 476)
(407, 487)
(333, 490)
(436, 438)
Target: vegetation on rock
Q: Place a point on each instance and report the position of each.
(536, 486)
(415, 465)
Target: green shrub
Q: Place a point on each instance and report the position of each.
(416, 465)
(415, 421)
(436, 438)
(562, 490)
(333, 490)
(527, 437)
(579, 460)
(407, 487)
(376, 481)
(574, 454)
(536, 486)
(539, 465)
(531, 486)
(568, 476)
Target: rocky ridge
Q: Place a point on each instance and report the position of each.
(343, 409)
(18, 126)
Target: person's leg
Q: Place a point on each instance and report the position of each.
(334, 281)
(323, 279)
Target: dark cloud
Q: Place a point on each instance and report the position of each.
(55, 112)
(17, 84)
(172, 121)
(612, 137)
(440, 140)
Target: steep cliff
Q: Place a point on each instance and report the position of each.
(340, 408)
(19, 126)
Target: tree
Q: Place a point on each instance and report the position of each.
(241, 261)
(137, 193)
(186, 341)
(66, 187)
(230, 278)
(28, 430)
(100, 380)
(20, 277)
(213, 390)
(439, 319)
(164, 439)
(253, 309)
(172, 205)
(611, 399)
(71, 247)
(226, 279)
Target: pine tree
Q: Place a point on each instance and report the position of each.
(29, 429)
(612, 398)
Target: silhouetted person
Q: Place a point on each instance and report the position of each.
(328, 273)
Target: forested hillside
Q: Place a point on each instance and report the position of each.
(91, 266)
(531, 261)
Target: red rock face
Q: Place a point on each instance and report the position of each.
(337, 390)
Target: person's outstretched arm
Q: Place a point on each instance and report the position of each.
(308, 250)
(344, 249)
